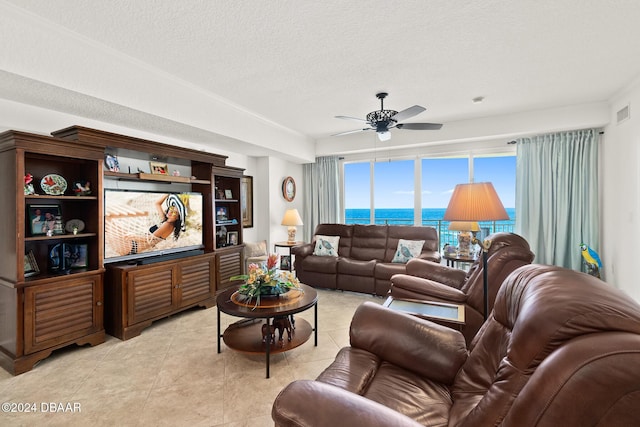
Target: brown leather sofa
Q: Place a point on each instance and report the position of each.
(561, 348)
(364, 256)
(429, 281)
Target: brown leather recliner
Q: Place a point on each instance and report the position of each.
(561, 348)
(429, 281)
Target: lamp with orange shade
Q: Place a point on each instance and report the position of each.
(475, 202)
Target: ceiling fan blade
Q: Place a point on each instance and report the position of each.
(350, 131)
(409, 112)
(419, 126)
(351, 118)
(384, 136)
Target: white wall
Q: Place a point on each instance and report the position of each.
(620, 201)
(278, 170)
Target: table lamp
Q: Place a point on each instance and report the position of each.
(465, 228)
(477, 202)
(291, 220)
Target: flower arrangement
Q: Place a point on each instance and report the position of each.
(265, 279)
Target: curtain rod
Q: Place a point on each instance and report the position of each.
(515, 142)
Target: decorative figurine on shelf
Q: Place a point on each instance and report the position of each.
(176, 172)
(112, 163)
(82, 188)
(592, 259)
(28, 185)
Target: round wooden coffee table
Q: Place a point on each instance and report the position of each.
(247, 335)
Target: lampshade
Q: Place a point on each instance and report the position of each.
(292, 218)
(464, 226)
(475, 202)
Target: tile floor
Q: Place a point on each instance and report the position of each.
(172, 375)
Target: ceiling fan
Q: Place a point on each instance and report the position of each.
(382, 120)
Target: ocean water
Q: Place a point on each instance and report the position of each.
(401, 216)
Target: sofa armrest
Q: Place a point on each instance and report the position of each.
(439, 273)
(427, 288)
(433, 256)
(430, 350)
(313, 403)
(302, 250)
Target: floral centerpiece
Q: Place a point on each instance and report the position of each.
(266, 280)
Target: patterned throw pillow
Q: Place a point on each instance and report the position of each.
(407, 249)
(326, 245)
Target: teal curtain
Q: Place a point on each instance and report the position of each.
(321, 192)
(557, 195)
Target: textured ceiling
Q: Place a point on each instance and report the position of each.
(298, 63)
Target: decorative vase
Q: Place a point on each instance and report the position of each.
(272, 291)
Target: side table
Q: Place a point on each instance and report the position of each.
(286, 261)
(452, 259)
(450, 315)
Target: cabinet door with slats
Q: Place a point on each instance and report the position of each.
(56, 313)
(196, 280)
(150, 292)
(229, 265)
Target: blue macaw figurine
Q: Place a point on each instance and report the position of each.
(592, 259)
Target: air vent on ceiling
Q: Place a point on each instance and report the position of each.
(623, 114)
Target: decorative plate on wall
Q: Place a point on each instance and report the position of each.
(289, 189)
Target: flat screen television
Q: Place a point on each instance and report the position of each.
(143, 224)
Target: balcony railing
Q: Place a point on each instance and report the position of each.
(445, 236)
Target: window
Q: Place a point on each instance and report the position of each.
(393, 192)
(501, 172)
(357, 193)
(392, 187)
(439, 178)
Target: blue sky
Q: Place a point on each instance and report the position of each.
(394, 186)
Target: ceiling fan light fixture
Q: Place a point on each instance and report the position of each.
(384, 136)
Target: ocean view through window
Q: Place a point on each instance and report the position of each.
(390, 188)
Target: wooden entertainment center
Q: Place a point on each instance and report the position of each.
(48, 302)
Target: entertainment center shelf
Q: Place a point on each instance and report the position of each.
(166, 179)
(59, 237)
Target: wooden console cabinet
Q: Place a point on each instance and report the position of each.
(139, 294)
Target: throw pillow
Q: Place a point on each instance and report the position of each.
(407, 249)
(326, 245)
(255, 249)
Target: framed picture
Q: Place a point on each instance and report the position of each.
(221, 214)
(228, 194)
(159, 168)
(246, 201)
(285, 262)
(30, 265)
(56, 259)
(232, 238)
(65, 256)
(44, 219)
(75, 255)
